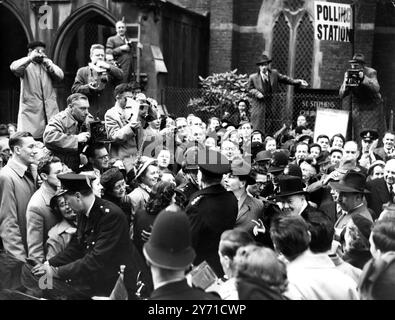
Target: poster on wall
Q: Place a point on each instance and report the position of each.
(330, 122)
(332, 21)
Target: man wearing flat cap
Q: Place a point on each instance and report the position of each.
(361, 83)
(90, 263)
(37, 104)
(212, 209)
(261, 86)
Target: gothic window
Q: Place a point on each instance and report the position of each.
(280, 50)
(304, 49)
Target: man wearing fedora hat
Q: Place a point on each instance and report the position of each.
(169, 253)
(212, 209)
(366, 98)
(351, 190)
(37, 104)
(261, 86)
(249, 208)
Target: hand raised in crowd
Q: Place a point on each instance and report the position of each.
(93, 85)
(102, 64)
(259, 95)
(258, 228)
(334, 175)
(83, 137)
(135, 125)
(303, 83)
(145, 235)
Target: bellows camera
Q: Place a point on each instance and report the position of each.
(98, 132)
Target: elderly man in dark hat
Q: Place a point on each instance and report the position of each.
(90, 263)
(361, 82)
(249, 208)
(262, 85)
(351, 190)
(37, 103)
(169, 253)
(212, 209)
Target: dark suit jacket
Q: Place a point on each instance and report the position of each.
(98, 248)
(180, 290)
(251, 208)
(211, 211)
(380, 154)
(379, 195)
(255, 82)
(123, 58)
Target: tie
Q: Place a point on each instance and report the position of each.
(391, 193)
(29, 174)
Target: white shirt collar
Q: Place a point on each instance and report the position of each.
(90, 208)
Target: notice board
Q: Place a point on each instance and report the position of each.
(330, 122)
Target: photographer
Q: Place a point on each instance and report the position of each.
(37, 98)
(97, 81)
(361, 82)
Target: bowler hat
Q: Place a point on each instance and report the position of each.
(73, 182)
(170, 244)
(240, 167)
(35, 44)
(369, 135)
(352, 182)
(289, 186)
(278, 162)
(358, 58)
(264, 60)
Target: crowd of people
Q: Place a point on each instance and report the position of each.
(271, 215)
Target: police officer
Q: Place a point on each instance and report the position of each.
(67, 132)
(212, 209)
(89, 265)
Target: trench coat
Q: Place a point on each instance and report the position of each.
(37, 102)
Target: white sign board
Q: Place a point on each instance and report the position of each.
(332, 21)
(330, 122)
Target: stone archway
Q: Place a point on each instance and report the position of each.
(88, 25)
(18, 38)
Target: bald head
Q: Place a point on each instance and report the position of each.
(350, 151)
(389, 171)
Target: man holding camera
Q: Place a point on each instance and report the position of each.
(123, 50)
(68, 132)
(361, 82)
(97, 81)
(37, 104)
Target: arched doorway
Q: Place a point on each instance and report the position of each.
(14, 38)
(88, 25)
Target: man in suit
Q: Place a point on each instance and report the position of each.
(39, 216)
(351, 190)
(249, 208)
(387, 151)
(261, 86)
(123, 50)
(382, 190)
(97, 81)
(212, 209)
(366, 97)
(90, 263)
(169, 254)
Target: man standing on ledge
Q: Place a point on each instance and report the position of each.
(37, 104)
(261, 86)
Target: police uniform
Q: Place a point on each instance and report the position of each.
(99, 247)
(211, 211)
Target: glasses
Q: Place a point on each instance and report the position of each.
(106, 156)
(181, 127)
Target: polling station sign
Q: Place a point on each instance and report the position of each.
(333, 21)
